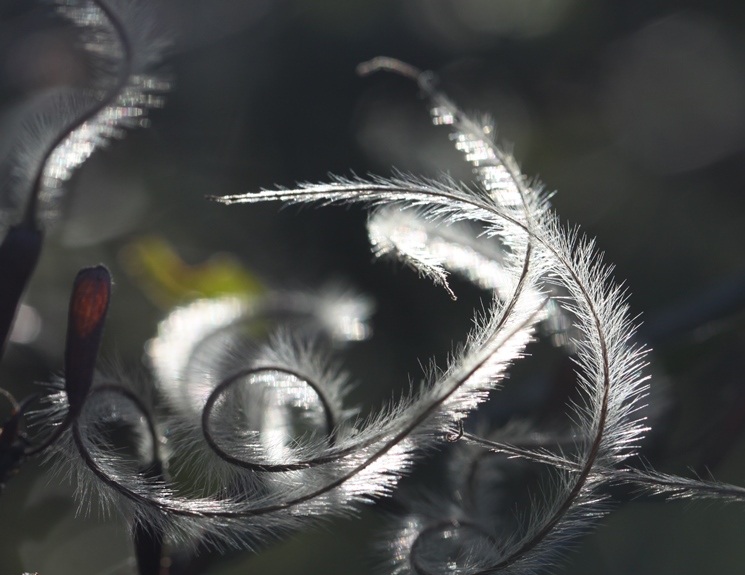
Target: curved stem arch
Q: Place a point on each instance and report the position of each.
(109, 98)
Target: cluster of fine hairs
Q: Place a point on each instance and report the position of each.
(247, 434)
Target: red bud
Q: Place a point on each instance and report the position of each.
(89, 304)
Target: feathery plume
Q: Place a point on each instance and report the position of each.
(124, 43)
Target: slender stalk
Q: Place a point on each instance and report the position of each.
(19, 254)
(244, 374)
(125, 69)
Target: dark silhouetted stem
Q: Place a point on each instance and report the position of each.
(19, 253)
(149, 539)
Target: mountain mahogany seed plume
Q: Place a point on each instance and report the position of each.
(246, 432)
(89, 303)
(124, 43)
(539, 272)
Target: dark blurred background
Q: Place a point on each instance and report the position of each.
(634, 110)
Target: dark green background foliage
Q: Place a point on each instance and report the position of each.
(633, 110)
